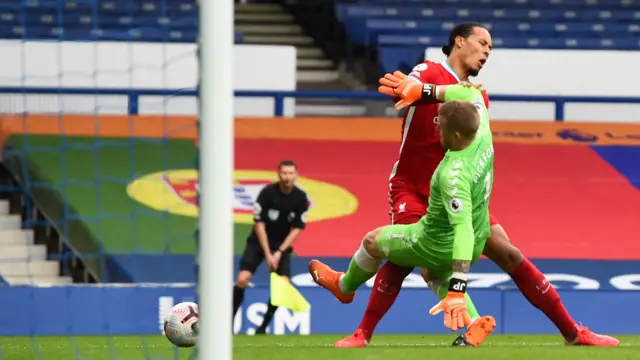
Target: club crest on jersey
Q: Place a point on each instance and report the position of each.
(420, 67)
(273, 214)
(455, 205)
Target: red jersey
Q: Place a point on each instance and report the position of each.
(420, 149)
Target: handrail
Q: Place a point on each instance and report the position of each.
(280, 96)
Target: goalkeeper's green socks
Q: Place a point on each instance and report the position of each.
(471, 308)
(362, 268)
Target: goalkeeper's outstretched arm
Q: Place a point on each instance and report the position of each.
(438, 93)
(456, 198)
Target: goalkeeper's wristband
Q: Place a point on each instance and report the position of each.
(429, 93)
(457, 285)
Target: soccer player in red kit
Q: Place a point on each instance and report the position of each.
(420, 153)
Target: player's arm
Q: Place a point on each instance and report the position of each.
(412, 90)
(456, 195)
(298, 224)
(456, 92)
(467, 92)
(259, 214)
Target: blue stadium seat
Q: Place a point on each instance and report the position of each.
(145, 20)
(368, 34)
(402, 29)
(404, 51)
(457, 13)
(599, 4)
(399, 57)
(424, 41)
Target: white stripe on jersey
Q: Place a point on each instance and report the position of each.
(450, 70)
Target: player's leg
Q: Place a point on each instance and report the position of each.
(385, 291)
(388, 281)
(394, 242)
(364, 264)
(405, 209)
(251, 258)
(531, 282)
(537, 289)
(284, 270)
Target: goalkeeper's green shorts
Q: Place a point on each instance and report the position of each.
(405, 245)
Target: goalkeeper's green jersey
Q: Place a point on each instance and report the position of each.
(458, 214)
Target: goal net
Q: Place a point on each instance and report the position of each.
(98, 179)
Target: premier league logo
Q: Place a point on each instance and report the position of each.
(455, 205)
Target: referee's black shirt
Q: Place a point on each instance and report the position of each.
(280, 212)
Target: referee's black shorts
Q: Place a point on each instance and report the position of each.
(253, 256)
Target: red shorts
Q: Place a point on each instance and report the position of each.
(408, 208)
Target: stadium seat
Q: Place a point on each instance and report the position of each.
(151, 20)
(600, 4)
(368, 34)
(400, 29)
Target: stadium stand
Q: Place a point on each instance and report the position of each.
(149, 20)
(156, 20)
(163, 21)
(396, 30)
(278, 23)
(400, 30)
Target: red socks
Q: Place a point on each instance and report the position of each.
(539, 292)
(384, 293)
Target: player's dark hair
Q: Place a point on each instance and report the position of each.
(462, 117)
(465, 30)
(287, 163)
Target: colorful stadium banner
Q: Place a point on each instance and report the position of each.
(316, 128)
(550, 198)
(175, 191)
(388, 130)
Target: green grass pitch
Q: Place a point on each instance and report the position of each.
(314, 347)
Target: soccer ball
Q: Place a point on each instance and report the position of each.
(181, 324)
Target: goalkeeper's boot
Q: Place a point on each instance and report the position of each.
(358, 340)
(477, 332)
(586, 337)
(461, 341)
(329, 279)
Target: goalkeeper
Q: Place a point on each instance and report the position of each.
(452, 235)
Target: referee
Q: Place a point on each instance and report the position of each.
(280, 213)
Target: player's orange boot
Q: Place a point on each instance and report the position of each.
(479, 330)
(329, 279)
(586, 337)
(357, 340)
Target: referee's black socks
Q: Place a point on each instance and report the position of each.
(271, 309)
(238, 297)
